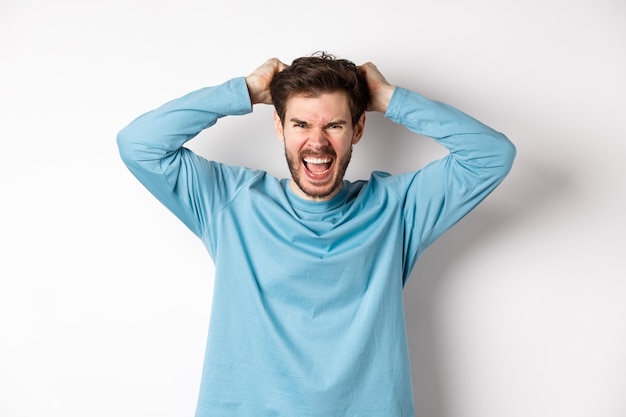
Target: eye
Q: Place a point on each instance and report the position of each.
(300, 125)
(335, 126)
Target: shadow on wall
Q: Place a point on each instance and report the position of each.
(532, 187)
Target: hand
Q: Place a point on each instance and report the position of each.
(380, 89)
(259, 81)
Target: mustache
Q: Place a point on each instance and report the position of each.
(318, 153)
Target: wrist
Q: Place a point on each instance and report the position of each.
(382, 98)
(251, 89)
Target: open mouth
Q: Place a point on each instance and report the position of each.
(316, 166)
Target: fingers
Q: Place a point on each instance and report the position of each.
(259, 80)
(282, 66)
(373, 76)
(380, 89)
(272, 66)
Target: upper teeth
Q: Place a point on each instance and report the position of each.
(317, 160)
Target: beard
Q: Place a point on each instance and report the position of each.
(339, 168)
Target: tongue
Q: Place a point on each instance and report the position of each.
(317, 168)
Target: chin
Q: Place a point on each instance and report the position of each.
(307, 186)
(319, 192)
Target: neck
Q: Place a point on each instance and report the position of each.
(300, 193)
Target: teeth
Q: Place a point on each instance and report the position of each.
(317, 160)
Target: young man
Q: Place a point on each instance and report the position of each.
(307, 317)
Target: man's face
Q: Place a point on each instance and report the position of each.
(318, 137)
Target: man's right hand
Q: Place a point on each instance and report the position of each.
(259, 81)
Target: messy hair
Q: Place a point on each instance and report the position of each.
(317, 74)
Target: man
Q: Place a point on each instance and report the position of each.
(307, 316)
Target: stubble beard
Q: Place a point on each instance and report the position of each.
(312, 192)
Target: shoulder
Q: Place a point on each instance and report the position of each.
(379, 184)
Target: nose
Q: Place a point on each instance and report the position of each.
(317, 138)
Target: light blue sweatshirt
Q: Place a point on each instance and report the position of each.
(307, 317)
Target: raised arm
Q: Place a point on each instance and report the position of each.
(467, 139)
(152, 148)
(440, 194)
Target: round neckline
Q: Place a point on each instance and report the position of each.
(311, 205)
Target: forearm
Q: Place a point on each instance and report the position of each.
(469, 141)
(165, 129)
(441, 193)
(152, 148)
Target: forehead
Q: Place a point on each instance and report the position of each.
(324, 105)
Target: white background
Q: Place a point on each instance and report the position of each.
(520, 310)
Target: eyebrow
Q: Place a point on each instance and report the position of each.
(331, 123)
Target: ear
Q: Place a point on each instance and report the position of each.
(358, 130)
(278, 127)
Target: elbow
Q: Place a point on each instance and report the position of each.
(509, 151)
(504, 156)
(126, 146)
(123, 144)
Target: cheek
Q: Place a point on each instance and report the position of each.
(294, 139)
(343, 144)
(292, 144)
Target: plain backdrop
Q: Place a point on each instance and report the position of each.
(518, 311)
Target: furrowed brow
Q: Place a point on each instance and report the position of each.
(298, 121)
(337, 122)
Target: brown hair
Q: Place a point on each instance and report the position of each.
(317, 74)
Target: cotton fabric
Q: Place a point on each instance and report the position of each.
(307, 317)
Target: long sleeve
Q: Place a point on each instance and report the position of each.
(443, 192)
(152, 148)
